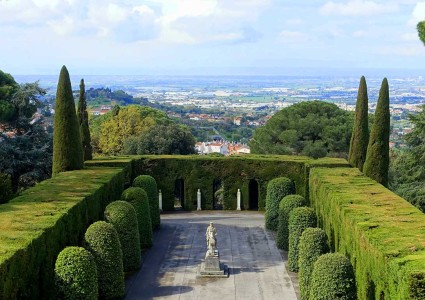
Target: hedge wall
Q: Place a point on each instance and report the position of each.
(381, 233)
(38, 224)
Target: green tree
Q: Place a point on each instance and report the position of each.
(67, 147)
(360, 134)
(83, 120)
(377, 158)
(421, 31)
(8, 88)
(313, 128)
(162, 139)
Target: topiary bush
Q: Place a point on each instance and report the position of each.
(75, 274)
(122, 216)
(313, 243)
(101, 239)
(139, 199)
(299, 219)
(148, 183)
(277, 189)
(286, 205)
(6, 191)
(333, 278)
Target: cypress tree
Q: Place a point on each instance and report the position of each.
(83, 120)
(67, 148)
(378, 150)
(360, 135)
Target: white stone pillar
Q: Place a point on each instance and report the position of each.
(239, 200)
(160, 200)
(199, 199)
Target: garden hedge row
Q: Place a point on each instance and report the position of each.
(148, 183)
(381, 233)
(38, 224)
(286, 205)
(277, 189)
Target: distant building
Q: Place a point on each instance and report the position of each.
(237, 121)
(221, 147)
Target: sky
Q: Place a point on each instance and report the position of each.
(209, 37)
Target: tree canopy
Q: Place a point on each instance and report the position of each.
(313, 128)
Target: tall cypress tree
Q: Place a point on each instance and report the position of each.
(67, 148)
(360, 135)
(83, 120)
(378, 156)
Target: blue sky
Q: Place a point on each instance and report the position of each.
(209, 36)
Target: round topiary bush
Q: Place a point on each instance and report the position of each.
(276, 189)
(333, 278)
(101, 240)
(75, 274)
(122, 216)
(148, 183)
(299, 219)
(286, 205)
(139, 199)
(313, 243)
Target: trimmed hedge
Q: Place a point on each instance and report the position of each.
(122, 216)
(313, 243)
(6, 191)
(101, 240)
(75, 274)
(286, 205)
(299, 219)
(139, 199)
(333, 278)
(277, 189)
(383, 234)
(148, 183)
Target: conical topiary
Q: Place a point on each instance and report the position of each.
(83, 121)
(360, 135)
(67, 148)
(378, 149)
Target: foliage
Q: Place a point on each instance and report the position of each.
(139, 199)
(300, 219)
(122, 216)
(277, 189)
(286, 205)
(67, 147)
(8, 88)
(76, 274)
(162, 139)
(42, 220)
(83, 121)
(6, 191)
(148, 183)
(130, 121)
(313, 243)
(102, 96)
(333, 278)
(312, 128)
(371, 225)
(101, 240)
(421, 31)
(360, 134)
(377, 158)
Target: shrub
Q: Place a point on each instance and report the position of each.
(6, 192)
(75, 274)
(333, 278)
(299, 219)
(276, 189)
(101, 239)
(148, 183)
(122, 216)
(139, 199)
(286, 205)
(313, 243)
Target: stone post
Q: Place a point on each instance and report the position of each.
(160, 200)
(239, 200)
(199, 199)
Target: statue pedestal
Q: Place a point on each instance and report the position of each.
(212, 267)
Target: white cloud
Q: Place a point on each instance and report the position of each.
(410, 37)
(357, 8)
(418, 14)
(406, 50)
(294, 22)
(292, 36)
(359, 34)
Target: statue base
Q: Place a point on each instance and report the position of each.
(212, 267)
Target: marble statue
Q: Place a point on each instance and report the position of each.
(211, 236)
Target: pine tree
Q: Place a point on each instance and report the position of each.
(67, 148)
(360, 135)
(83, 121)
(378, 157)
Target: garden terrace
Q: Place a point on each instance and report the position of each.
(381, 233)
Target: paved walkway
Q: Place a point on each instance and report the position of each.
(169, 270)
